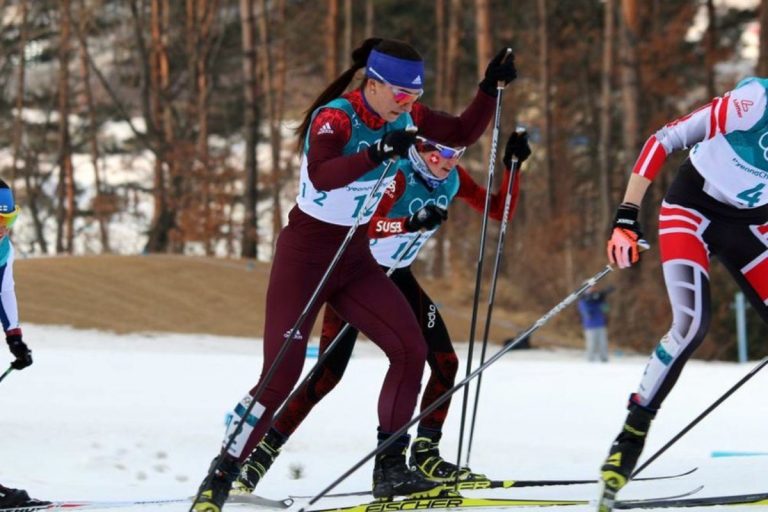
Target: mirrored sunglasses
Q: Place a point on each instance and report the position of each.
(444, 151)
(400, 95)
(7, 220)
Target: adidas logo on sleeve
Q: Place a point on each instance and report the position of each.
(325, 129)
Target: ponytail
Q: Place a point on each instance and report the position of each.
(338, 86)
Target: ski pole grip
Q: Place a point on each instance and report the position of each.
(520, 130)
(500, 84)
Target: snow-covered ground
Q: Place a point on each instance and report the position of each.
(101, 416)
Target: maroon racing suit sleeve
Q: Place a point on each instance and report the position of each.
(328, 168)
(463, 130)
(382, 226)
(474, 195)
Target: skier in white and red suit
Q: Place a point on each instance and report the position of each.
(715, 206)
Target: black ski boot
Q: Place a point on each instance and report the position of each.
(18, 498)
(258, 462)
(425, 458)
(391, 477)
(213, 492)
(622, 458)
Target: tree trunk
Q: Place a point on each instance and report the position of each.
(452, 239)
(348, 25)
(66, 206)
(331, 41)
(162, 219)
(171, 160)
(275, 138)
(32, 184)
(98, 203)
(762, 60)
(483, 34)
(440, 43)
(483, 45)
(280, 73)
(606, 93)
(31, 172)
(18, 122)
(206, 15)
(250, 240)
(546, 102)
(630, 81)
(440, 23)
(711, 49)
(452, 55)
(368, 18)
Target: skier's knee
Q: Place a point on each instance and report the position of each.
(445, 364)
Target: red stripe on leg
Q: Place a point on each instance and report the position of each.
(677, 223)
(667, 210)
(686, 246)
(757, 276)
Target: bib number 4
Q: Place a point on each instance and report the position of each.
(751, 196)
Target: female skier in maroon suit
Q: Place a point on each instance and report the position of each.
(345, 140)
(414, 205)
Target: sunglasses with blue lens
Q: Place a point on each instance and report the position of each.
(446, 152)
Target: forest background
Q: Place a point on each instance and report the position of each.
(162, 126)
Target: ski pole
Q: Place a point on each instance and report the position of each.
(6, 373)
(515, 168)
(481, 255)
(448, 393)
(701, 416)
(292, 334)
(333, 344)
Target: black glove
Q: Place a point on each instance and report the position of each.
(498, 71)
(20, 350)
(395, 143)
(517, 145)
(427, 218)
(626, 218)
(623, 247)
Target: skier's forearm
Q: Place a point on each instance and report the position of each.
(636, 189)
